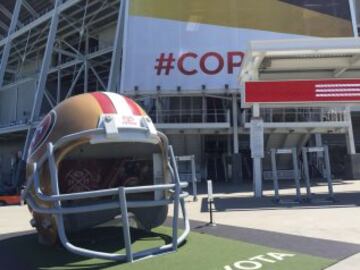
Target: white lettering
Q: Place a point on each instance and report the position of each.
(262, 258)
(247, 265)
(254, 264)
(279, 256)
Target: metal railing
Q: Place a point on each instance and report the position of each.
(278, 115)
(191, 116)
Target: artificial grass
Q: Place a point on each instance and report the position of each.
(201, 251)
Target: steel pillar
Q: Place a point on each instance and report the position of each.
(158, 110)
(293, 153)
(115, 69)
(350, 141)
(257, 176)
(319, 155)
(325, 151)
(257, 149)
(235, 124)
(86, 63)
(58, 87)
(353, 17)
(7, 46)
(39, 94)
(204, 108)
(40, 20)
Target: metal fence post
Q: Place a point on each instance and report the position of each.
(125, 224)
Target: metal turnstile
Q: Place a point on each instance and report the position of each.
(296, 175)
(190, 159)
(325, 151)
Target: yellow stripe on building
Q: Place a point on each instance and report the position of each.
(268, 15)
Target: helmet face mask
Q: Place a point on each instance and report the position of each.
(81, 175)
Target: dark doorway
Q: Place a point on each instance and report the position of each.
(215, 153)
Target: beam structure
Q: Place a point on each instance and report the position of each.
(7, 48)
(7, 13)
(115, 70)
(39, 21)
(354, 17)
(29, 8)
(41, 84)
(64, 33)
(4, 26)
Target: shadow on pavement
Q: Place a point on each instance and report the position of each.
(223, 204)
(230, 188)
(23, 252)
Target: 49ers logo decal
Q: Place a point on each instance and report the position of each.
(42, 131)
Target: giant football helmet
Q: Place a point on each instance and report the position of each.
(93, 157)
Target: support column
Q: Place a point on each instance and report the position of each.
(257, 149)
(319, 155)
(39, 94)
(353, 7)
(318, 140)
(236, 160)
(352, 161)
(235, 124)
(115, 69)
(58, 87)
(257, 176)
(158, 110)
(350, 141)
(86, 63)
(204, 109)
(7, 46)
(318, 143)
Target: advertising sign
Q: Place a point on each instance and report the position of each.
(196, 44)
(302, 91)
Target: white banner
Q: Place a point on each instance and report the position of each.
(174, 55)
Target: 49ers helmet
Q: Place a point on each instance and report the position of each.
(93, 157)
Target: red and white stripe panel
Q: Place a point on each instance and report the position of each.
(125, 112)
(338, 90)
(112, 103)
(303, 91)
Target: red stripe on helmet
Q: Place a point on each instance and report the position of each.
(136, 110)
(105, 102)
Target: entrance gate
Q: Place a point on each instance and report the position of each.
(313, 150)
(191, 160)
(296, 174)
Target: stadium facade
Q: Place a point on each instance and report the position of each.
(180, 59)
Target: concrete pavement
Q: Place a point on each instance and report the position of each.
(235, 206)
(14, 219)
(351, 263)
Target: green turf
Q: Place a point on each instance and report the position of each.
(199, 252)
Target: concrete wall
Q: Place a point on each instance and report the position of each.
(29, 68)
(106, 37)
(16, 102)
(8, 151)
(7, 107)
